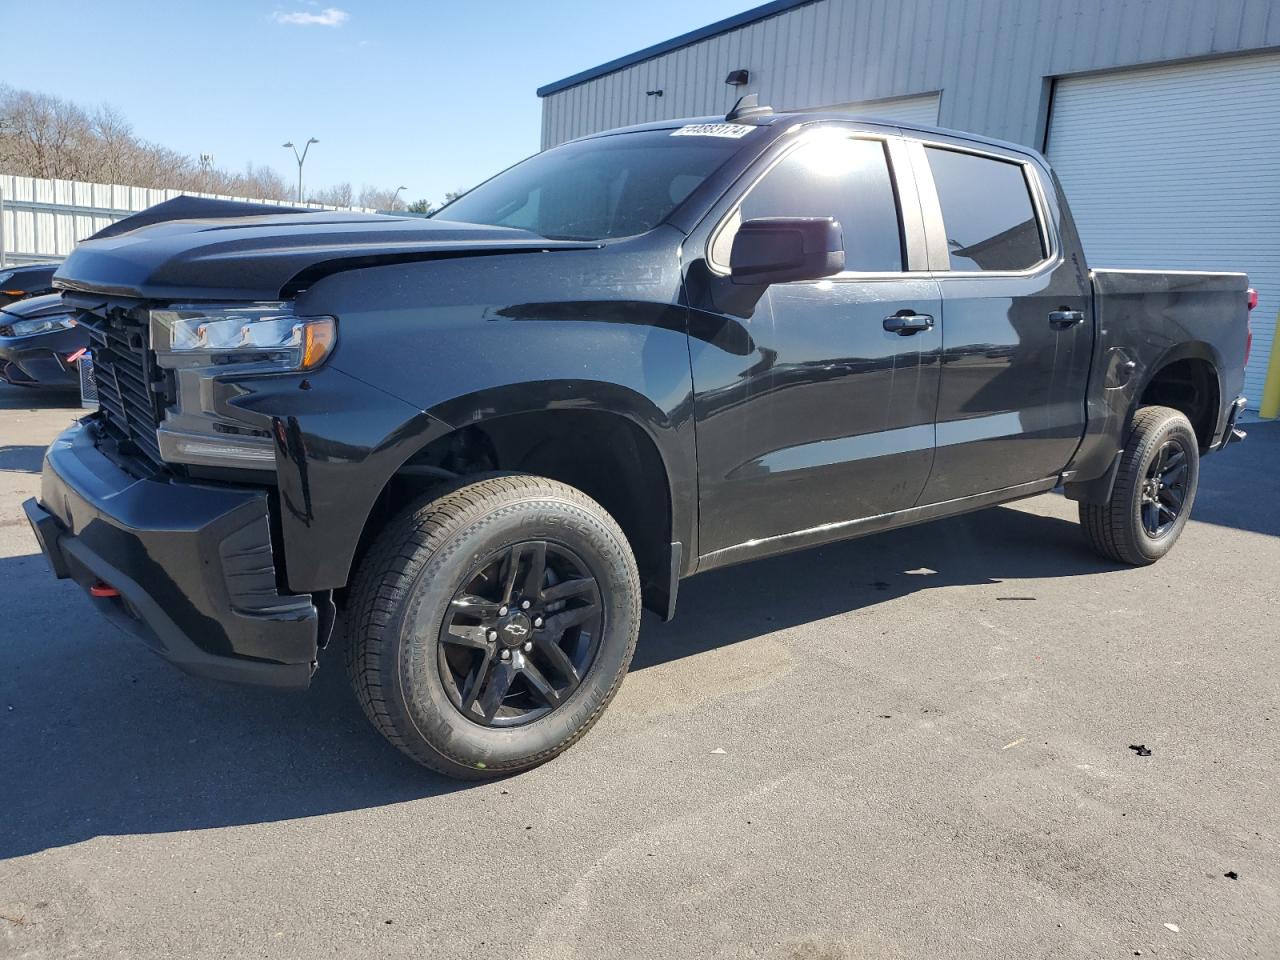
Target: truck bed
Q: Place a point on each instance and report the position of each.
(1146, 319)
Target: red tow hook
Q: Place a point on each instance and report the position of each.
(101, 589)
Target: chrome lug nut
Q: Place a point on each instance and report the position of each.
(537, 621)
(502, 610)
(493, 635)
(506, 654)
(525, 604)
(528, 646)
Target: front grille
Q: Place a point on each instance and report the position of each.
(126, 375)
(88, 386)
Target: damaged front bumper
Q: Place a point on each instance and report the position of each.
(187, 568)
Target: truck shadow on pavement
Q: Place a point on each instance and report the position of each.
(985, 548)
(21, 457)
(98, 737)
(23, 398)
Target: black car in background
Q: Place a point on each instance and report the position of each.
(31, 280)
(40, 344)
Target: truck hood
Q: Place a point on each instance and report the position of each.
(198, 249)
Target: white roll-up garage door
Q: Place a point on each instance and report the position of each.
(922, 109)
(1179, 166)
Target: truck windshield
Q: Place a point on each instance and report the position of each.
(613, 186)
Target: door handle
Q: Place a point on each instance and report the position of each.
(1061, 319)
(905, 324)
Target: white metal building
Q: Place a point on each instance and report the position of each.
(1162, 117)
(43, 220)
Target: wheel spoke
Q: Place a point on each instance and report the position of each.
(465, 635)
(536, 572)
(568, 589)
(495, 690)
(1174, 475)
(558, 624)
(556, 656)
(475, 606)
(1172, 514)
(1158, 464)
(1151, 516)
(510, 570)
(532, 557)
(475, 681)
(540, 684)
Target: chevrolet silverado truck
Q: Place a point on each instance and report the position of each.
(482, 442)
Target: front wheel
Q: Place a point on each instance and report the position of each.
(1153, 493)
(492, 624)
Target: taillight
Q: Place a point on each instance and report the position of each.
(1252, 300)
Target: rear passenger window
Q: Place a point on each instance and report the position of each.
(836, 177)
(986, 206)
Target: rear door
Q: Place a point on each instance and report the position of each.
(810, 414)
(1017, 324)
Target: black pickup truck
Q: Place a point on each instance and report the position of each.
(482, 441)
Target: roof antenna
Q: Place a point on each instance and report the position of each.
(748, 106)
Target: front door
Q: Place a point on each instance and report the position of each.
(813, 402)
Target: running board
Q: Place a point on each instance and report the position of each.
(849, 529)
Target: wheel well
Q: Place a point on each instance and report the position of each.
(1190, 386)
(604, 455)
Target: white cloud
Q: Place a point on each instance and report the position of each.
(328, 17)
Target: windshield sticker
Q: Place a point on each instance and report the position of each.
(730, 131)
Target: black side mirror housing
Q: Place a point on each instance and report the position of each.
(783, 249)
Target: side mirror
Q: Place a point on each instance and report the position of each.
(782, 249)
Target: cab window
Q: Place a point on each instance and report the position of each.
(830, 176)
(986, 205)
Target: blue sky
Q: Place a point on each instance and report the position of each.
(432, 95)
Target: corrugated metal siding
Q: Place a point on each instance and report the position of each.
(45, 219)
(922, 110)
(1179, 167)
(989, 57)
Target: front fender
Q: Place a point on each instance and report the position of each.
(338, 441)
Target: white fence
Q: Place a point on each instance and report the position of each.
(43, 220)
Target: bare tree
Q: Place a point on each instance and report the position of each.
(48, 137)
(377, 198)
(338, 195)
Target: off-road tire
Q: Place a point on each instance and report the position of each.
(410, 575)
(1115, 528)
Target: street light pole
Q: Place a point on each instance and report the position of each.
(301, 158)
(396, 196)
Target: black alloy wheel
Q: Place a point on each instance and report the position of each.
(1164, 490)
(520, 634)
(1153, 491)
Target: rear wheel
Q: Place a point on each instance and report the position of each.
(1154, 490)
(492, 624)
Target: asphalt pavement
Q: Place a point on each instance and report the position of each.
(915, 745)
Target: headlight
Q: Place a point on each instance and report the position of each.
(204, 335)
(29, 328)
